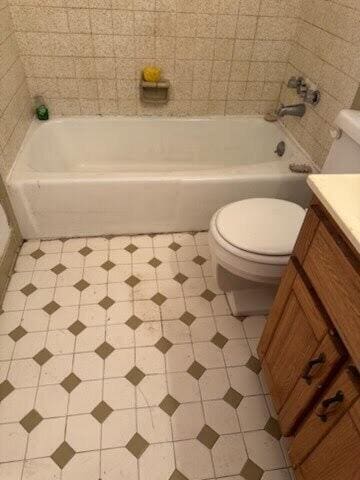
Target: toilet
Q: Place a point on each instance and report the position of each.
(251, 240)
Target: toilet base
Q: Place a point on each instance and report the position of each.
(245, 297)
(252, 301)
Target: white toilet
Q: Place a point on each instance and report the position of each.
(251, 240)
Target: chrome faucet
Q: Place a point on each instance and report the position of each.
(293, 110)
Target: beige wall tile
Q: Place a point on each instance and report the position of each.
(326, 50)
(221, 56)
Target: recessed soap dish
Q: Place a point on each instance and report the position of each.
(154, 92)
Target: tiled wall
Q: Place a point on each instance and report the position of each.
(221, 56)
(327, 51)
(14, 120)
(14, 96)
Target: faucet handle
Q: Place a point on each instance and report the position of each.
(302, 87)
(281, 106)
(312, 96)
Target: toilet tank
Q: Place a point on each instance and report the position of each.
(344, 155)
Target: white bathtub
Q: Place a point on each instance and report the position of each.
(120, 175)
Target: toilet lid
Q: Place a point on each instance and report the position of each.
(265, 226)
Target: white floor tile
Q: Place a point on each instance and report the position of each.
(244, 381)
(19, 280)
(83, 466)
(183, 387)
(13, 301)
(151, 390)
(119, 242)
(35, 320)
(264, 450)
(24, 373)
(187, 421)
(254, 326)
(41, 469)
(46, 437)
(7, 347)
(63, 318)
(202, 329)
(150, 360)
(148, 333)
(221, 417)
(118, 428)
(16, 405)
(56, 369)
(119, 273)
(85, 397)
(9, 321)
(157, 462)
(25, 263)
(120, 336)
(146, 310)
(90, 338)
(229, 455)
(39, 298)
(173, 308)
(69, 277)
(208, 354)
(236, 352)
(88, 366)
(154, 425)
(230, 327)
(119, 393)
(118, 464)
(92, 315)
(179, 358)
(119, 363)
(176, 331)
(253, 413)
(60, 342)
(29, 345)
(12, 442)
(214, 384)
(83, 432)
(193, 459)
(52, 401)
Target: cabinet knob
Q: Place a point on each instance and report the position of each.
(330, 403)
(310, 365)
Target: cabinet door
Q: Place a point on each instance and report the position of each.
(300, 356)
(337, 456)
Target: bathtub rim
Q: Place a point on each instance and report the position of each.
(18, 173)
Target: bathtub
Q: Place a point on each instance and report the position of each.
(120, 175)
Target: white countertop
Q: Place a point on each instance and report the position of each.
(340, 195)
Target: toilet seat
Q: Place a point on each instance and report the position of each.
(255, 266)
(261, 226)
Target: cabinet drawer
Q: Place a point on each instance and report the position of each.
(302, 352)
(337, 456)
(335, 275)
(306, 389)
(337, 399)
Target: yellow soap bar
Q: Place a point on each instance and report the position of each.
(151, 74)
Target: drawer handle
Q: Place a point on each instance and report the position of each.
(333, 402)
(311, 364)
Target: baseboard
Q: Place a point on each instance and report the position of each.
(7, 262)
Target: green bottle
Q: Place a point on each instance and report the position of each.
(42, 112)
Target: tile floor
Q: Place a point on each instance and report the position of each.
(119, 359)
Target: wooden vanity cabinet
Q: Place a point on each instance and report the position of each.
(311, 354)
(310, 351)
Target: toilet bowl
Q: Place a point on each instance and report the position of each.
(250, 243)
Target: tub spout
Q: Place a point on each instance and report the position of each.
(293, 110)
